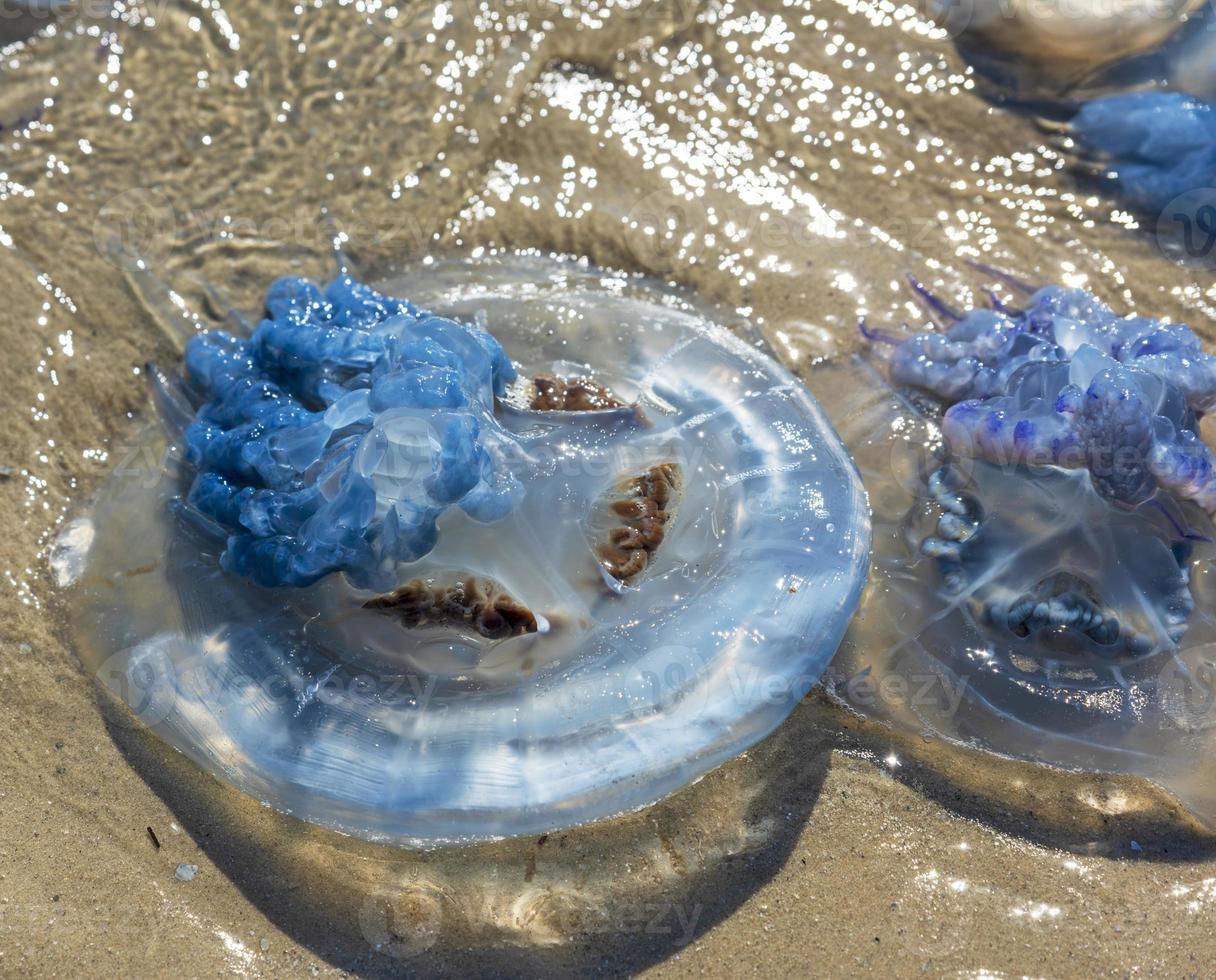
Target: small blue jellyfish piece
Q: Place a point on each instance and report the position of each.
(1042, 499)
(335, 437)
(1155, 146)
(388, 579)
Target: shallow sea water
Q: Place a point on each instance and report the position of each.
(789, 163)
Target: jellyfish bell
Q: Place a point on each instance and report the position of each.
(424, 582)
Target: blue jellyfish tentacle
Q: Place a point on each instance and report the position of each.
(1065, 610)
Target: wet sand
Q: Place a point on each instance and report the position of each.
(788, 165)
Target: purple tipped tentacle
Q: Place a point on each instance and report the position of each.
(1106, 420)
(933, 302)
(998, 431)
(1190, 369)
(1069, 385)
(998, 304)
(1185, 533)
(1006, 277)
(1115, 427)
(876, 336)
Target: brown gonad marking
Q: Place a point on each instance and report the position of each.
(644, 511)
(479, 603)
(554, 394)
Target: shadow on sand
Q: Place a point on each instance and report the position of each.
(610, 898)
(617, 896)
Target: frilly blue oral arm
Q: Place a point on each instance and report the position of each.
(285, 412)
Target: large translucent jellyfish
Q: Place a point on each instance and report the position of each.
(540, 557)
(1041, 497)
